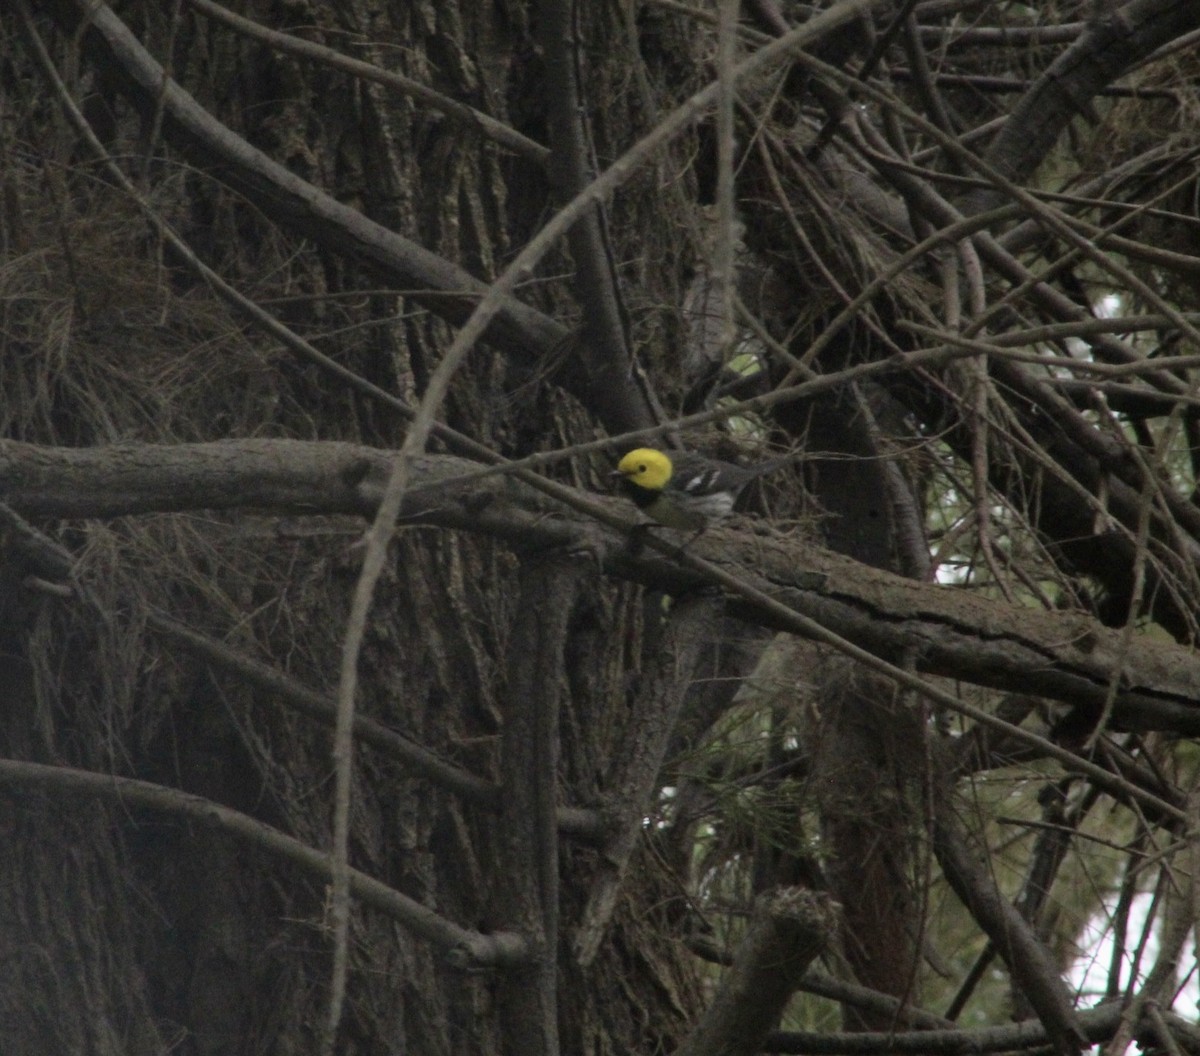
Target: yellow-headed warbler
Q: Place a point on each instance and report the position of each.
(685, 490)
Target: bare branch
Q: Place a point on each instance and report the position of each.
(784, 583)
(789, 929)
(465, 948)
(1107, 47)
(1029, 962)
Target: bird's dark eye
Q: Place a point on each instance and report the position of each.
(642, 468)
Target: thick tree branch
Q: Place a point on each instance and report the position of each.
(789, 929)
(305, 208)
(604, 356)
(1030, 964)
(1108, 47)
(638, 760)
(526, 897)
(439, 285)
(1062, 656)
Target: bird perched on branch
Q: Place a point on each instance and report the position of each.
(683, 489)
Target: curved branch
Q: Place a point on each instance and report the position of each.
(464, 947)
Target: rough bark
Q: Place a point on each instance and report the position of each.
(1066, 657)
(789, 928)
(183, 484)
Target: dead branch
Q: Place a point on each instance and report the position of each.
(790, 928)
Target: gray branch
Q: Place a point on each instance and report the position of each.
(1062, 656)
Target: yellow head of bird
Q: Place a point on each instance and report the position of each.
(646, 467)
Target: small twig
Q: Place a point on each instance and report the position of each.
(43, 558)
(44, 586)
